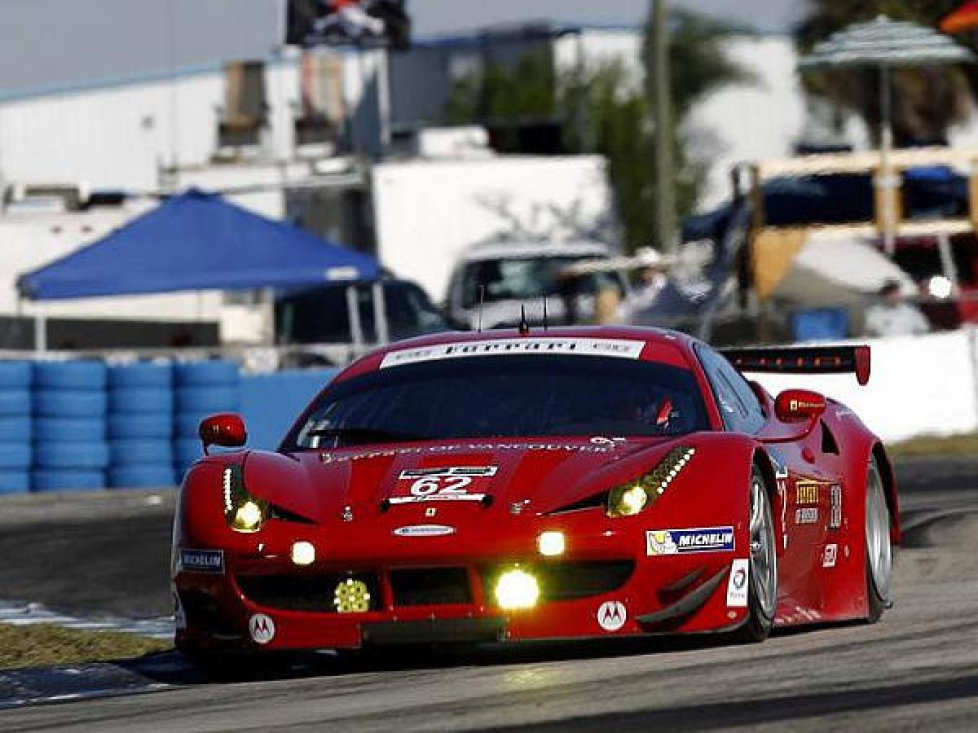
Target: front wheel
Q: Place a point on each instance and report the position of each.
(762, 595)
(879, 553)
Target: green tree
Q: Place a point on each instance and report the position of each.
(926, 100)
(602, 111)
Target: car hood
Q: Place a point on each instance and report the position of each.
(473, 476)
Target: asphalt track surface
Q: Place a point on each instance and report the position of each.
(917, 668)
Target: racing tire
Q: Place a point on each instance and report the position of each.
(218, 372)
(207, 400)
(141, 477)
(67, 480)
(71, 455)
(79, 374)
(762, 592)
(879, 551)
(15, 374)
(140, 452)
(15, 402)
(70, 429)
(141, 400)
(128, 426)
(141, 375)
(14, 482)
(69, 403)
(15, 428)
(16, 456)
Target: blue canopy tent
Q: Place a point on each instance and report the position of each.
(196, 241)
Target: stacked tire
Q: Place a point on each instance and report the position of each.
(15, 427)
(69, 405)
(202, 388)
(140, 425)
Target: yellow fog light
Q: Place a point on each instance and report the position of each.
(517, 589)
(551, 543)
(351, 596)
(303, 553)
(626, 501)
(248, 517)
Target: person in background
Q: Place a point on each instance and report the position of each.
(650, 279)
(891, 315)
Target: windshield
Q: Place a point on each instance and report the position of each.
(506, 396)
(523, 278)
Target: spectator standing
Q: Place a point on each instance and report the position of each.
(891, 315)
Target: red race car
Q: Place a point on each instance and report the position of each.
(566, 483)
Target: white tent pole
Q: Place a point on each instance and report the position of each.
(888, 183)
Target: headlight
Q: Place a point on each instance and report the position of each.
(629, 499)
(551, 543)
(243, 512)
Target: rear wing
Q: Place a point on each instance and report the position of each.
(802, 360)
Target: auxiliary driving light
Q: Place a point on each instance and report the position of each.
(303, 553)
(248, 517)
(627, 501)
(351, 596)
(517, 589)
(551, 543)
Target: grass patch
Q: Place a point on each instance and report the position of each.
(36, 645)
(934, 445)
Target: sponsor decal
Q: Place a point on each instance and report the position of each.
(829, 554)
(737, 584)
(201, 561)
(424, 530)
(430, 512)
(612, 615)
(262, 628)
(618, 348)
(835, 503)
(441, 484)
(806, 515)
(806, 492)
(681, 541)
(329, 458)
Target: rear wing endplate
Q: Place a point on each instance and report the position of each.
(802, 360)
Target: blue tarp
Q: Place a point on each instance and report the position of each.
(196, 241)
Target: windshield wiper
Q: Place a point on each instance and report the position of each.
(358, 435)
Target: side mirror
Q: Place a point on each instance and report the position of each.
(796, 405)
(226, 429)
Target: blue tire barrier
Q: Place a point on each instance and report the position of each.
(90, 455)
(207, 400)
(139, 452)
(206, 373)
(124, 425)
(136, 477)
(15, 428)
(71, 480)
(69, 403)
(68, 429)
(15, 402)
(15, 482)
(140, 400)
(15, 374)
(187, 424)
(140, 375)
(69, 375)
(186, 451)
(15, 455)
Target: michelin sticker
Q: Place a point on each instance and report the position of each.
(201, 561)
(682, 541)
(262, 628)
(612, 615)
(737, 584)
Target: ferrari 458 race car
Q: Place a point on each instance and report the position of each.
(513, 486)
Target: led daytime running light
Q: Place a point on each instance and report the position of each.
(631, 498)
(243, 512)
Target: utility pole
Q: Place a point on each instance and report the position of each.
(665, 194)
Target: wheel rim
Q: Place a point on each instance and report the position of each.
(878, 550)
(763, 558)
